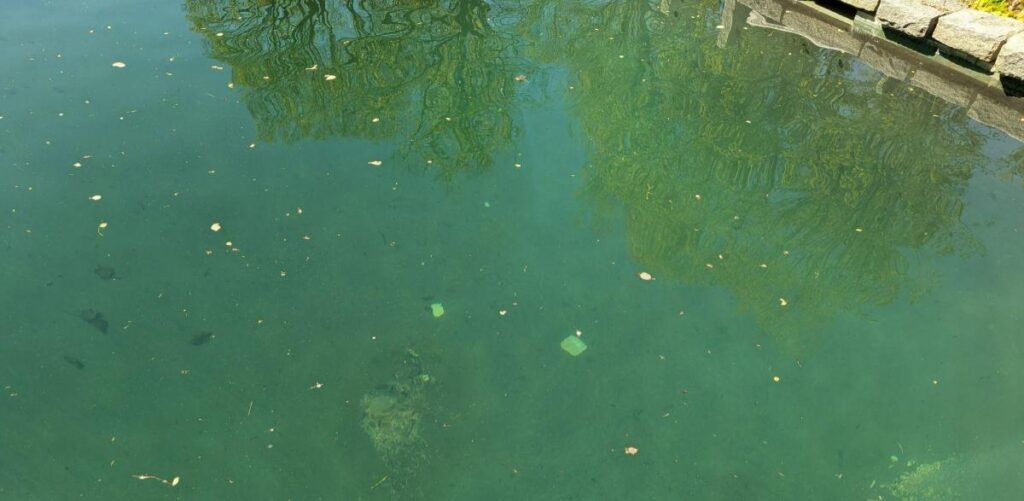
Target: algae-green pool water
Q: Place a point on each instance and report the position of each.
(796, 278)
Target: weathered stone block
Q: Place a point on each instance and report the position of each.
(975, 35)
(865, 5)
(1002, 112)
(1010, 62)
(946, 5)
(889, 59)
(910, 17)
(821, 31)
(770, 9)
(945, 84)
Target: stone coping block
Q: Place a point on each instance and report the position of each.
(864, 5)
(769, 9)
(978, 36)
(942, 83)
(910, 17)
(1010, 62)
(999, 111)
(893, 62)
(945, 6)
(821, 32)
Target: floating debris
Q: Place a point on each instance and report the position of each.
(630, 450)
(573, 345)
(118, 64)
(96, 198)
(646, 277)
(330, 77)
(437, 309)
(215, 227)
(172, 482)
(375, 163)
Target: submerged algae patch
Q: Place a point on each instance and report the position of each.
(392, 415)
(992, 474)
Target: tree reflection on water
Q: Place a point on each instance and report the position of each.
(769, 168)
(435, 75)
(779, 174)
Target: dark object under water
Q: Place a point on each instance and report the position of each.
(78, 364)
(201, 338)
(105, 272)
(95, 319)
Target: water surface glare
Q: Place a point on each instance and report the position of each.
(284, 249)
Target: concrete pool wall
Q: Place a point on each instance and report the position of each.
(922, 63)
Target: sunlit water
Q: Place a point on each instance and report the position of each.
(835, 310)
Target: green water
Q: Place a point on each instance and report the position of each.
(803, 219)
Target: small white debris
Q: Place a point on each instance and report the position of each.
(375, 163)
(118, 64)
(96, 198)
(646, 277)
(783, 302)
(215, 227)
(330, 77)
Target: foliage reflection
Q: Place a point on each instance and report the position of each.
(434, 74)
(777, 173)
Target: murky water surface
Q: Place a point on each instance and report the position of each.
(329, 250)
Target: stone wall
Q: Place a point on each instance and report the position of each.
(937, 46)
